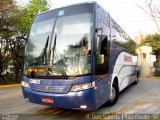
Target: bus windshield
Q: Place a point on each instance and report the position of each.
(66, 52)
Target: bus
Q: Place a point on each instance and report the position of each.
(77, 57)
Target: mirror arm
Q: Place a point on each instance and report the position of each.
(98, 29)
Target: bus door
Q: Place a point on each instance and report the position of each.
(102, 46)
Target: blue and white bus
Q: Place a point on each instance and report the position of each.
(77, 57)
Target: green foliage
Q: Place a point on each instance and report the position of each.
(15, 22)
(157, 68)
(8, 21)
(154, 42)
(29, 12)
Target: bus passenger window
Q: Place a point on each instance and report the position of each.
(103, 43)
(102, 68)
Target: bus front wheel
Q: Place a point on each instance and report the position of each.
(114, 95)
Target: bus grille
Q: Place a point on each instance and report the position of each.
(50, 89)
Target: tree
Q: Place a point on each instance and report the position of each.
(152, 8)
(28, 14)
(15, 22)
(154, 41)
(8, 10)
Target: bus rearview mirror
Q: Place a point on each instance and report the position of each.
(99, 32)
(100, 59)
(99, 29)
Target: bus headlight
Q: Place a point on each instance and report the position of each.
(84, 86)
(25, 84)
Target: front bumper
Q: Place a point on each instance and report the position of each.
(70, 100)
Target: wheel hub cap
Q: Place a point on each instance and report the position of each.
(113, 93)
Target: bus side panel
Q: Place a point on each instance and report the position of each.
(102, 80)
(102, 91)
(122, 66)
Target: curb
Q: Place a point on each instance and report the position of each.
(7, 86)
(150, 77)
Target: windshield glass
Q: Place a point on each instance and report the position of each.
(66, 52)
(36, 50)
(71, 50)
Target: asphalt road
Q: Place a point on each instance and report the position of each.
(143, 98)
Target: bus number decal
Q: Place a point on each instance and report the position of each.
(34, 81)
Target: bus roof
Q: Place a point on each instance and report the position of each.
(89, 2)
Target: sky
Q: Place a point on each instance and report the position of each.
(125, 12)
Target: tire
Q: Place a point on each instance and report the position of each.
(112, 101)
(137, 79)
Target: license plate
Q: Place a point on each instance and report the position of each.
(47, 100)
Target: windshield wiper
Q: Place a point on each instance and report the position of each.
(44, 52)
(56, 57)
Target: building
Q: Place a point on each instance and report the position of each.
(146, 58)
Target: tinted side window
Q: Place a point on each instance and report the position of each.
(120, 38)
(103, 42)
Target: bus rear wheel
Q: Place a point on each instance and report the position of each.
(137, 79)
(114, 95)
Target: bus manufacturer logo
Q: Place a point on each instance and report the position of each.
(127, 58)
(61, 13)
(46, 88)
